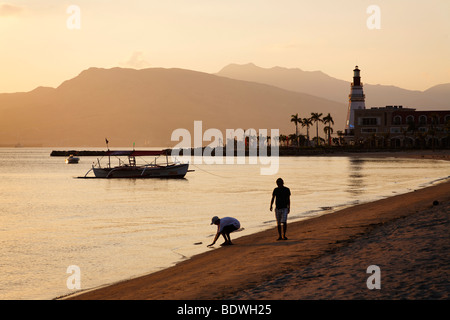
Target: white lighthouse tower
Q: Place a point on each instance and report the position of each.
(356, 101)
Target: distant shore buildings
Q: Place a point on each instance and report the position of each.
(393, 126)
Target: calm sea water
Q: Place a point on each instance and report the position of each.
(118, 229)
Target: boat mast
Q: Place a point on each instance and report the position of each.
(109, 156)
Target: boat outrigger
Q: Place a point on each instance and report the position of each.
(132, 170)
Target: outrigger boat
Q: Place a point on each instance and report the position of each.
(132, 170)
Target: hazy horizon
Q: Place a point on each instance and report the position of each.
(45, 43)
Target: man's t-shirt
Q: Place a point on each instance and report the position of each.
(282, 195)
(228, 221)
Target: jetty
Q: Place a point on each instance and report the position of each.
(283, 151)
(84, 153)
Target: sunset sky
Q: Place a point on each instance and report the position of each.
(410, 50)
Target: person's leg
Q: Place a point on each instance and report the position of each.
(229, 239)
(226, 234)
(224, 237)
(279, 231)
(284, 220)
(278, 217)
(284, 231)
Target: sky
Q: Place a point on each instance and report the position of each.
(405, 43)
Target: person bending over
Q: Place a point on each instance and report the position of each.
(225, 226)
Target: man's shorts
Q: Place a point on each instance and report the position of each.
(281, 215)
(228, 229)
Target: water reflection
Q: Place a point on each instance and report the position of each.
(356, 184)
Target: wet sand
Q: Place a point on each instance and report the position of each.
(326, 257)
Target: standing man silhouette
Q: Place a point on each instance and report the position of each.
(282, 197)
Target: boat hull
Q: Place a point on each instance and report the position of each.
(176, 171)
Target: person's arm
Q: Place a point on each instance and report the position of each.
(215, 238)
(271, 201)
(289, 202)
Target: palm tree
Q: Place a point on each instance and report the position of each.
(296, 120)
(328, 131)
(316, 118)
(306, 122)
(283, 138)
(328, 120)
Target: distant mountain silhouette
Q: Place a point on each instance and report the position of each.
(319, 84)
(145, 106)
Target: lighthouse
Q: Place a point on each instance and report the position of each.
(355, 101)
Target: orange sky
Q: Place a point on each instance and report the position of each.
(410, 49)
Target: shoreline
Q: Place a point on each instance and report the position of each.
(226, 272)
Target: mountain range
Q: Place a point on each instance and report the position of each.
(145, 106)
(322, 85)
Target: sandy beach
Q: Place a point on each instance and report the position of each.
(406, 236)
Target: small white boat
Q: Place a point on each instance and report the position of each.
(132, 170)
(72, 159)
